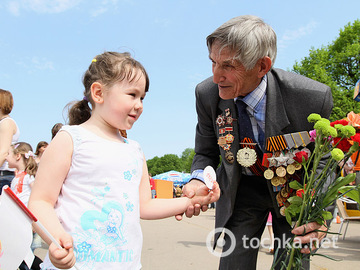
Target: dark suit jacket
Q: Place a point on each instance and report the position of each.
(290, 99)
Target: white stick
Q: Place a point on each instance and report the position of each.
(38, 223)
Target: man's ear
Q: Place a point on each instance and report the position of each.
(264, 66)
(96, 90)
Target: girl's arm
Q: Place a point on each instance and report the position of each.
(6, 132)
(54, 166)
(163, 208)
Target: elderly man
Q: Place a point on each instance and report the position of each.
(245, 102)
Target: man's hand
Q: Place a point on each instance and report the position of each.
(189, 190)
(311, 233)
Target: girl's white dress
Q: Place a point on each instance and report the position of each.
(99, 202)
(20, 185)
(15, 139)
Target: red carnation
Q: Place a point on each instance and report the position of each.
(300, 155)
(342, 144)
(341, 122)
(356, 138)
(300, 193)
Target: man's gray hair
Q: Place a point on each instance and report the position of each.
(249, 37)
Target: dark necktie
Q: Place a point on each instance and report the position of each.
(246, 131)
(245, 126)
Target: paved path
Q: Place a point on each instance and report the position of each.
(173, 245)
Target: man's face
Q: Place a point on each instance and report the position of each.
(230, 75)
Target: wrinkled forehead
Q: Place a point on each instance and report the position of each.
(219, 53)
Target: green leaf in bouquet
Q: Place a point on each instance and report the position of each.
(288, 216)
(295, 185)
(295, 200)
(319, 220)
(331, 194)
(326, 215)
(352, 192)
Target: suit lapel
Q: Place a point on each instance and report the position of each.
(276, 117)
(230, 104)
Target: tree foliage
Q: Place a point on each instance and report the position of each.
(171, 162)
(338, 66)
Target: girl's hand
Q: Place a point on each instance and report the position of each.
(63, 258)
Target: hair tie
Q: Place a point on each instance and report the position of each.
(29, 154)
(94, 60)
(85, 98)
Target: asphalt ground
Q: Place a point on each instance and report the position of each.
(170, 244)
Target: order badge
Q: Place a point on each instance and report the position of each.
(246, 157)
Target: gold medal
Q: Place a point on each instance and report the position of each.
(229, 156)
(246, 157)
(298, 166)
(282, 180)
(268, 174)
(282, 211)
(284, 192)
(221, 140)
(275, 181)
(280, 171)
(229, 138)
(290, 169)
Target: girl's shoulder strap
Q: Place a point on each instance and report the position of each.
(75, 133)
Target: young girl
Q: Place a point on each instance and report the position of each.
(92, 186)
(22, 159)
(9, 134)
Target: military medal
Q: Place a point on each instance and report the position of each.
(225, 140)
(220, 120)
(275, 181)
(282, 180)
(229, 156)
(290, 169)
(229, 138)
(246, 157)
(268, 174)
(282, 211)
(298, 166)
(280, 171)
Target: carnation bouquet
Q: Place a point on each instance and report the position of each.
(322, 182)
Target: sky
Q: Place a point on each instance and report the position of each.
(47, 45)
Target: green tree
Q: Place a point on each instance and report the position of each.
(187, 157)
(165, 163)
(338, 66)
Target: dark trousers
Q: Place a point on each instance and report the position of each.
(5, 180)
(247, 223)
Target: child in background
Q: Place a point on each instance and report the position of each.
(22, 159)
(92, 186)
(40, 148)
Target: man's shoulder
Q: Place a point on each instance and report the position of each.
(293, 80)
(207, 84)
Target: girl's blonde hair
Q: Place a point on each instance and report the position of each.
(27, 154)
(107, 68)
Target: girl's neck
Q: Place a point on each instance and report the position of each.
(102, 130)
(2, 116)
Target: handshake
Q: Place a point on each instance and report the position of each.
(201, 193)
